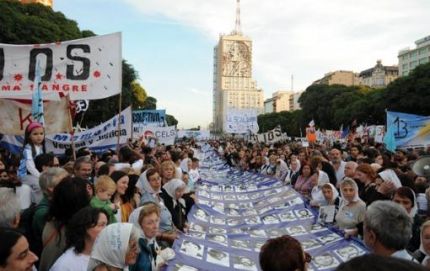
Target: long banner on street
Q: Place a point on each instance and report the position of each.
(98, 139)
(87, 69)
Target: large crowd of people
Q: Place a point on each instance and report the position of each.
(135, 202)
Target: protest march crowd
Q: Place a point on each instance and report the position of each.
(124, 210)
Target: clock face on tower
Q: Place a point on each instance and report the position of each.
(237, 59)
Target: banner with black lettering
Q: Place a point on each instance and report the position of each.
(87, 69)
(164, 135)
(143, 118)
(269, 137)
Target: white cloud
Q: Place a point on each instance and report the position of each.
(307, 38)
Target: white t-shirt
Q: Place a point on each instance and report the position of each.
(70, 261)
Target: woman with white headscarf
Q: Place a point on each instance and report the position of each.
(150, 181)
(172, 193)
(405, 196)
(116, 248)
(352, 209)
(330, 195)
(422, 255)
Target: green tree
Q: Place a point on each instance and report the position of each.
(171, 120)
(139, 94)
(150, 103)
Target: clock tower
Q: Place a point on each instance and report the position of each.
(234, 86)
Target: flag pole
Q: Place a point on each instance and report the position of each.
(119, 123)
(71, 130)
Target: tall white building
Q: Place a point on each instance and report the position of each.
(410, 58)
(234, 86)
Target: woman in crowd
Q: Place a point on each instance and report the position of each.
(172, 193)
(306, 178)
(15, 254)
(151, 182)
(167, 171)
(116, 248)
(129, 158)
(119, 197)
(149, 220)
(283, 254)
(366, 175)
(69, 196)
(406, 197)
(81, 233)
(352, 209)
(330, 194)
(422, 255)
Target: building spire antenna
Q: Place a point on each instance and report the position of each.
(237, 28)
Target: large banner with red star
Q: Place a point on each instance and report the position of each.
(86, 69)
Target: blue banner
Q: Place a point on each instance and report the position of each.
(149, 117)
(409, 130)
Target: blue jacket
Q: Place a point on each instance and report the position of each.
(144, 259)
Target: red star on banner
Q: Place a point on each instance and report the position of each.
(18, 77)
(58, 76)
(96, 74)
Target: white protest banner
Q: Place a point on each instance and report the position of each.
(98, 139)
(164, 135)
(241, 121)
(269, 137)
(199, 135)
(16, 115)
(87, 69)
(144, 118)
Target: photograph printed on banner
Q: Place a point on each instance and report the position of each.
(201, 215)
(230, 197)
(258, 233)
(310, 244)
(216, 188)
(265, 210)
(296, 230)
(204, 202)
(218, 206)
(287, 216)
(261, 204)
(232, 212)
(270, 219)
(241, 188)
(258, 245)
(296, 201)
(196, 234)
(197, 227)
(348, 252)
(242, 197)
(255, 196)
(204, 194)
(303, 214)
(228, 188)
(273, 200)
(251, 188)
(216, 230)
(232, 206)
(192, 249)
(329, 238)
(216, 197)
(316, 228)
(218, 238)
(233, 221)
(325, 261)
(217, 220)
(218, 257)
(253, 220)
(183, 267)
(244, 263)
(240, 244)
(244, 205)
(249, 212)
(237, 231)
(273, 233)
(282, 205)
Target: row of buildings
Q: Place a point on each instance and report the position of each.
(234, 86)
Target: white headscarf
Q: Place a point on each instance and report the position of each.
(146, 186)
(171, 188)
(334, 190)
(354, 185)
(111, 246)
(389, 175)
(184, 164)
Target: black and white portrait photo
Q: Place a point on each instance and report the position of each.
(296, 230)
(218, 238)
(182, 267)
(329, 238)
(270, 219)
(201, 215)
(287, 216)
(310, 244)
(325, 261)
(348, 252)
(244, 263)
(217, 220)
(216, 230)
(303, 214)
(192, 249)
(253, 220)
(218, 257)
(240, 244)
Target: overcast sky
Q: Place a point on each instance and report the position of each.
(170, 43)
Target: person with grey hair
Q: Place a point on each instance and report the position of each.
(388, 229)
(9, 209)
(83, 167)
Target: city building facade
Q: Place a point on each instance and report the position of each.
(410, 58)
(379, 76)
(233, 85)
(268, 106)
(347, 78)
(282, 101)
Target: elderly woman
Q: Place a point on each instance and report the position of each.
(422, 255)
(15, 253)
(352, 209)
(283, 254)
(172, 193)
(149, 220)
(116, 247)
(151, 183)
(330, 195)
(405, 196)
(81, 233)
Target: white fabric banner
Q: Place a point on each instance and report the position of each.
(269, 137)
(87, 68)
(16, 116)
(164, 135)
(241, 121)
(199, 135)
